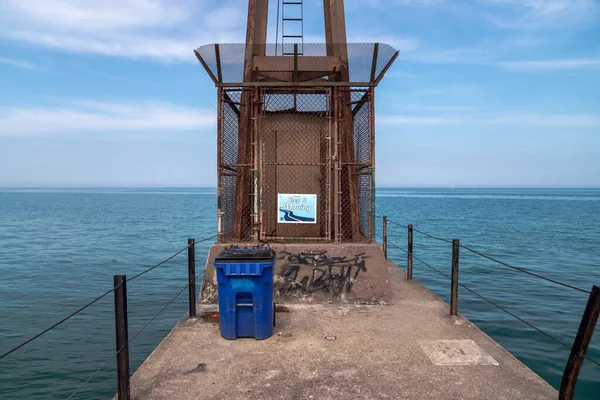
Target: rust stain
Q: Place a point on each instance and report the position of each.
(211, 317)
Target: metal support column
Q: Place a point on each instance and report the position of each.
(122, 337)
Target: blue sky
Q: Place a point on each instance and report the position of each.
(485, 92)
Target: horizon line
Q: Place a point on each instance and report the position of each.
(450, 187)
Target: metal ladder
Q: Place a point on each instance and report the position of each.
(292, 18)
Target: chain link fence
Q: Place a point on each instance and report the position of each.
(364, 153)
(295, 155)
(296, 142)
(296, 127)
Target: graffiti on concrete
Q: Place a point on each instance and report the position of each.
(308, 272)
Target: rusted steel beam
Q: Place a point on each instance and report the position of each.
(351, 228)
(210, 73)
(256, 38)
(295, 62)
(192, 277)
(296, 90)
(454, 286)
(122, 337)
(299, 238)
(220, 140)
(329, 168)
(248, 54)
(328, 28)
(228, 100)
(307, 164)
(285, 63)
(256, 104)
(335, 32)
(374, 64)
(372, 145)
(337, 231)
(231, 103)
(242, 188)
(256, 35)
(580, 346)
(409, 254)
(335, 35)
(233, 166)
(293, 84)
(360, 103)
(288, 76)
(387, 66)
(218, 57)
(385, 237)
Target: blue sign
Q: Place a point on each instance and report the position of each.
(297, 208)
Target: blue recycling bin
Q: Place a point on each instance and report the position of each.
(245, 279)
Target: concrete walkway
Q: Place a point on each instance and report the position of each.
(411, 349)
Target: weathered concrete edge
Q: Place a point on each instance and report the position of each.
(394, 269)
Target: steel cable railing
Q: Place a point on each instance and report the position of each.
(79, 310)
(164, 308)
(168, 259)
(523, 270)
(80, 387)
(95, 373)
(515, 268)
(68, 317)
(417, 230)
(593, 361)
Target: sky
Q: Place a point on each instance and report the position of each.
(488, 93)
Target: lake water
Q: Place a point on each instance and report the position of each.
(60, 248)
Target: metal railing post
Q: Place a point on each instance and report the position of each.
(454, 289)
(122, 336)
(385, 237)
(409, 254)
(192, 276)
(580, 346)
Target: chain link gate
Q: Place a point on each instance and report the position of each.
(296, 158)
(295, 145)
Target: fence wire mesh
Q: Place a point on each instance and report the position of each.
(364, 151)
(294, 129)
(229, 169)
(225, 61)
(296, 141)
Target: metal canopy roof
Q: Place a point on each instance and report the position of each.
(367, 63)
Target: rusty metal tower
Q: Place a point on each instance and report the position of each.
(296, 132)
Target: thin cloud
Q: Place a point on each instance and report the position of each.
(17, 63)
(387, 3)
(448, 91)
(155, 29)
(404, 44)
(97, 117)
(485, 58)
(542, 14)
(526, 120)
(429, 107)
(451, 56)
(535, 65)
(411, 120)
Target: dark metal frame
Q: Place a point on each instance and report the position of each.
(333, 207)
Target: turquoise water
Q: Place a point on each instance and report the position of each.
(60, 248)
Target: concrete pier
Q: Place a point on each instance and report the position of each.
(407, 348)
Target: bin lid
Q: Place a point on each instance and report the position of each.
(246, 254)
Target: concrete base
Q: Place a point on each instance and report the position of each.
(351, 273)
(412, 349)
